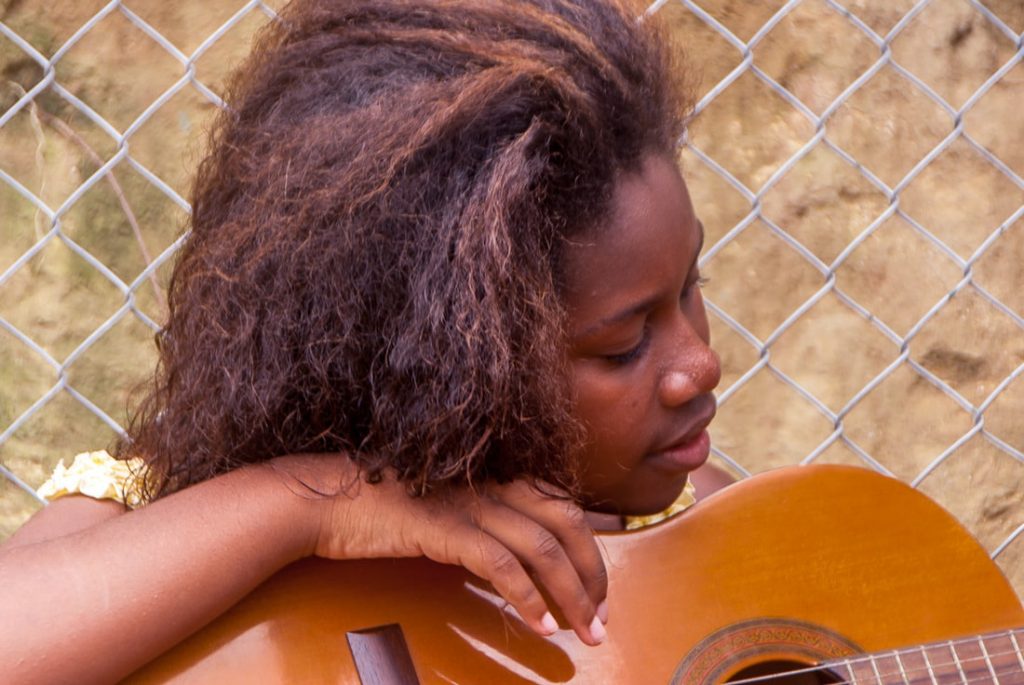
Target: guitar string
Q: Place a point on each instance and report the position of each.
(905, 676)
(872, 660)
(861, 659)
(870, 679)
(880, 678)
(948, 644)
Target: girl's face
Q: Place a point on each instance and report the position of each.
(641, 366)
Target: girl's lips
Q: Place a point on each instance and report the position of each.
(685, 456)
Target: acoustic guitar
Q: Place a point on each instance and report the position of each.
(826, 573)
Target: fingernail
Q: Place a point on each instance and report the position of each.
(602, 611)
(597, 632)
(548, 624)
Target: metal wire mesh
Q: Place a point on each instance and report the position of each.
(942, 268)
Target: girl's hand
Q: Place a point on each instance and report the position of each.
(513, 536)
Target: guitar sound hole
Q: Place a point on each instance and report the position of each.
(779, 672)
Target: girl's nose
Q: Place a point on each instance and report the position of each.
(697, 371)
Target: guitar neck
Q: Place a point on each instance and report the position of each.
(994, 658)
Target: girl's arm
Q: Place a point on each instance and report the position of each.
(94, 604)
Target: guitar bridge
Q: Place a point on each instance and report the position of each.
(382, 656)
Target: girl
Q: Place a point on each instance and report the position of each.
(440, 298)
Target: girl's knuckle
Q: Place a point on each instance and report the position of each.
(523, 594)
(547, 547)
(575, 519)
(502, 561)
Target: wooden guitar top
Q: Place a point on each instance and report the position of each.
(806, 563)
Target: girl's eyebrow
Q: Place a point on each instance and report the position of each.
(619, 317)
(644, 304)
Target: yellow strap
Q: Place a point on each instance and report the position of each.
(686, 498)
(96, 475)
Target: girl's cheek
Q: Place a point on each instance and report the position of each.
(598, 387)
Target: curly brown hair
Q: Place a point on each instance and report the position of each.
(373, 264)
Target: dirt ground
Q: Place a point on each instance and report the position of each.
(890, 375)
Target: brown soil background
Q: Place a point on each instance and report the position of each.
(831, 351)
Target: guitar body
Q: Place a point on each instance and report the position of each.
(803, 565)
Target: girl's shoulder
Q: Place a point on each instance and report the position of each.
(99, 476)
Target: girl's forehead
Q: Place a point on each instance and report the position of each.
(655, 197)
(645, 249)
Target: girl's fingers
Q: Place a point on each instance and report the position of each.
(568, 523)
(500, 535)
(484, 556)
(544, 553)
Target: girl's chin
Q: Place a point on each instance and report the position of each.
(650, 503)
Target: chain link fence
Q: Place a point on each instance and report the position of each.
(858, 168)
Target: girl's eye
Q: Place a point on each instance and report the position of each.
(629, 356)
